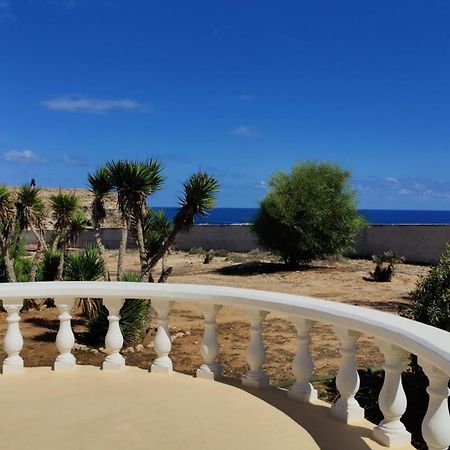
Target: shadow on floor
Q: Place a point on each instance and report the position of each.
(328, 432)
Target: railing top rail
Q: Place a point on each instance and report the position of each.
(429, 343)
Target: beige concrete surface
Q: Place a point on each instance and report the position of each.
(133, 409)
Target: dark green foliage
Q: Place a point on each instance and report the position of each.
(385, 266)
(309, 213)
(431, 297)
(85, 265)
(198, 198)
(134, 319)
(48, 267)
(156, 228)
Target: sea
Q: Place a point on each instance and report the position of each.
(226, 216)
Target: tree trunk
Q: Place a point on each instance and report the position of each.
(101, 248)
(9, 266)
(40, 238)
(59, 273)
(35, 262)
(163, 250)
(17, 245)
(141, 246)
(122, 249)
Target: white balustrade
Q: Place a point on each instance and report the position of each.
(209, 347)
(346, 407)
(395, 336)
(392, 401)
(256, 353)
(114, 339)
(302, 366)
(163, 344)
(65, 339)
(13, 343)
(436, 424)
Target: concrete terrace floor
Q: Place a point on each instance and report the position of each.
(92, 409)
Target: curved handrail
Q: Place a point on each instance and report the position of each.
(429, 343)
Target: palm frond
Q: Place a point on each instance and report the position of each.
(198, 198)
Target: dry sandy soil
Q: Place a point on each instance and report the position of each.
(340, 280)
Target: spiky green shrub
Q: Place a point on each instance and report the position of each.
(48, 266)
(431, 297)
(135, 318)
(308, 213)
(84, 265)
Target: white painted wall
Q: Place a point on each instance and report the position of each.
(416, 243)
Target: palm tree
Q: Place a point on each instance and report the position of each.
(134, 181)
(31, 215)
(70, 221)
(100, 186)
(198, 198)
(7, 229)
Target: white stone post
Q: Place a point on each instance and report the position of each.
(392, 400)
(209, 347)
(163, 344)
(346, 407)
(114, 339)
(65, 339)
(13, 342)
(256, 353)
(436, 424)
(302, 365)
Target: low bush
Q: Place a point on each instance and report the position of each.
(431, 297)
(135, 318)
(385, 266)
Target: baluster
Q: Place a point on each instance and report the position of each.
(65, 338)
(392, 400)
(114, 339)
(436, 424)
(163, 344)
(209, 347)
(13, 342)
(256, 354)
(347, 380)
(302, 365)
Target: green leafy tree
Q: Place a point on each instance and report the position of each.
(308, 213)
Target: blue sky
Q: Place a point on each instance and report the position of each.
(240, 88)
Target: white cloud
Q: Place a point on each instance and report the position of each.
(262, 185)
(243, 130)
(392, 180)
(22, 156)
(91, 105)
(74, 160)
(5, 11)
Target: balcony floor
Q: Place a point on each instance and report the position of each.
(92, 409)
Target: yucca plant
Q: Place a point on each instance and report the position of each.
(100, 185)
(69, 222)
(7, 230)
(135, 317)
(85, 265)
(199, 196)
(134, 181)
(48, 266)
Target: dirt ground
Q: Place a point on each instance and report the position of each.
(339, 280)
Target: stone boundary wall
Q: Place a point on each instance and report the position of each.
(416, 243)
